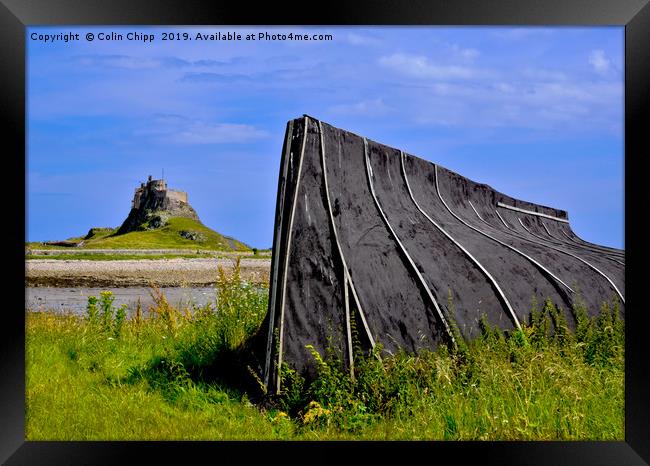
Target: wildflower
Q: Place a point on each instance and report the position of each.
(280, 417)
(314, 412)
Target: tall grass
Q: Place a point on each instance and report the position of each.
(107, 378)
(529, 384)
(172, 373)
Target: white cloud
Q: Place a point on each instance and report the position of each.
(220, 133)
(361, 39)
(599, 61)
(127, 62)
(373, 107)
(418, 66)
(543, 74)
(542, 105)
(177, 129)
(464, 53)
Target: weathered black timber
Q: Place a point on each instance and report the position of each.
(401, 250)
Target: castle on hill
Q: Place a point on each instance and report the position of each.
(158, 189)
(153, 203)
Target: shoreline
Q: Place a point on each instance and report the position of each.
(190, 272)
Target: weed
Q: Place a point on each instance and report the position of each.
(91, 309)
(544, 362)
(109, 319)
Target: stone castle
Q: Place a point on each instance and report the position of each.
(158, 189)
(153, 203)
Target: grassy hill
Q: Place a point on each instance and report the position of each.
(177, 233)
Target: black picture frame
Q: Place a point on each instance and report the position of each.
(16, 15)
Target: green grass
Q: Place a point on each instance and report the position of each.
(42, 245)
(94, 233)
(528, 385)
(167, 237)
(113, 257)
(77, 391)
(177, 374)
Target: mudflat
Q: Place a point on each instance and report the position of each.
(193, 272)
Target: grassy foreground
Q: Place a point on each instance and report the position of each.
(158, 376)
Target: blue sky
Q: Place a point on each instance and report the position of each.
(537, 113)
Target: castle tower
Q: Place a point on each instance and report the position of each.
(152, 203)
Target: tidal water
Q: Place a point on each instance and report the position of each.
(74, 300)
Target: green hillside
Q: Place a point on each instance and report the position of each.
(177, 233)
